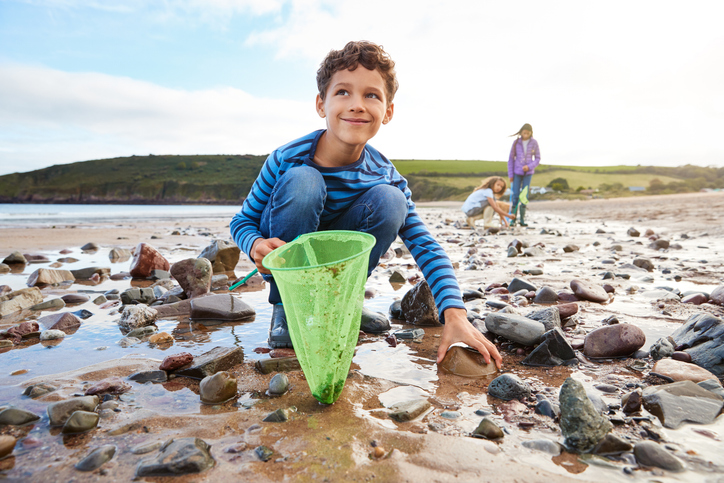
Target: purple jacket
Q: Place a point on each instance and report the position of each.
(517, 158)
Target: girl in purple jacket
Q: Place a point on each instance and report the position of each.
(524, 157)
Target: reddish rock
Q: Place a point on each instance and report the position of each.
(171, 363)
(112, 385)
(614, 341)
(695, 299)
(681, 356)
(587, 291)
(499, 290)
(565, 296)
(276, 353)
(109, 304)
(17, 332)
(717, 295)
(66, 321)
(567, 310)
(146, 259)
(194, 276)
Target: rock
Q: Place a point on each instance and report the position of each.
(96, 458)
(509, 387)
(396, 310)
(660, 244)
(633, 232)
(20, 331)
(278, 416)
(581, 424)
(409, 410)
(36, 258)
(418, 306)
(695, 299)
(65, 321)
(224, 307)
(60, 411)
(681, 371)
(52, 304)
(546, 408)
(82, 314)
(180, 456)
(194, 276)
(135, 316)
(49, 276)
(549, 317)
(37, 390)
(681, 356)
(209, 363)
(17, 417)
(514, 327)
(136, 295)
(645, 263)
(128, 342)
(223, 254)
(712, 385)
(15, 258)
(75, 298)
(663, 347)
(264, 453)
(512, 252)
(142, 332)
(144, 448)
(649, 453)
(119, 254)
(717, 295)
(281, 364)
(488, 429)
(5, 343)
(4, 268)
(618, 340)
(148, 376)
(374, 322)
(146, 259)
(567, 310)
(555, 350)
(52, 334)
(612, 444)
(218, 388)
(702, 337)
(279, 384)
(89, 272)
(631, 402)
(533, 252)
(545, 295)
(161, 338)
(80, 422)
(521, 284)
(19, 300)
(7, 444)
(173, 362)
(680, 402)
(544, 445)
(111, 385)
(467, 362)
(586, 291)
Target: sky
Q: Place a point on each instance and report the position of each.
(602, 83)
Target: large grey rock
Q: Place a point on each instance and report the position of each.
(521, 284)
(702, 337)
(80, 422)
(223, 255)
(218, 388)
(550, 317)
(96, 458)
(66, 321)
(515, 327)
(554, 350)
(223, 307)
(509, 387)
(209, 363)
(587, 291)
(88, 272)
(19, 300)
(680, 402)
(181, 456)
(418, 305)
(135, 316)
(617, 340)
(649, 453)
(60, 411)
(581, 424)
(194, 276)
(49, 276)
(17, 417)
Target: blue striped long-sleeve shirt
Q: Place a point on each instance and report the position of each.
(344, 186)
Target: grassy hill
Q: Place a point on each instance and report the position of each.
(226, 179)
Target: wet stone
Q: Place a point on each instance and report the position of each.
(173, 362)
(680, 402)
(178, 457)
(49, 276)
(149, 376)
(80, 422)
(617, 340)
(19, 300)
(279, 384)
(15, 258)
(554, 350)
(145, 448)
(581, 424)
(521, 284)
(587, 291)
(142, 332)
(662, 348)
(681, 371)
(612, 444)
(418, 306)
(488, 429)
(509, 387)
(52, 304)
(135, 316)
(66, 321)
(515, 327)
(37, 390)
(161, 338)
(409, 410)
(217, 388)
(17, 417)
(546, 408)
(702, 337)
(396, 310)
(223, 253)
(7, 444)
(89, 272)
(97, 458)
(631, 402)
(545, 295)
(543, 445)
(213, 361)
(194, 276)
(649, 453)
(221, 307)
(467, 362)
(146, 258)
(111, 385)
(279, 364)
(52, 334)
(278, 416)
(128, 342)
(374, 322)
(136, 295)
(75, 298)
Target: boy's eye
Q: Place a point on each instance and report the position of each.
(342, 92)
(373, 95)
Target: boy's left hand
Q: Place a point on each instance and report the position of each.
(458, 329)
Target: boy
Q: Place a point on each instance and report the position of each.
(332, 180)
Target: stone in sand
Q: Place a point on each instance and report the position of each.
(681, 371)
(279, 384)
(19, 300)
(223, 255)
(587, 291)
(631, 402)
(111, 385)
(418, 306)
(209, 363)
(520, 284)
(280, 364)
(717, 295)
(567, 310)
(225, 307)
(119, 254)
(617, 340)
(135, 316)
(17, 417)
(612, 444)
(374, 322)
(581, 424)
(645, 263)
(96, 458)
(702, 337)
(149, 376)
(467, 362)
(488, 429)
(80, 422)
(633, 232)
(695, 299)
(146, 259)
(7, 444)
(218, 388)
(60, 411)
(649, 453)
(663, 347)
(180, 456)
(509, 387)
(65, 321)
(194, 276)
(409, 410)
(49, 276)
(555, 350)
(550, 317)
(515, 327)
(15, 258)
(173, 362)
(680, 402)
(88, 272)
(545, 295)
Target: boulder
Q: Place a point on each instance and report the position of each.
(223, 255)
(49, 276)
(702, 337)
(681, 371)
(515, 327)
(617, 340)
(581, 424)
(146, 259)
(418, 306)
(223, 307)
(680, 402)
(177, 457)
(194, 276)
(66, 321)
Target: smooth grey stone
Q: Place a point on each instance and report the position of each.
(60, 411)
(178, 457)
(136, 295)
(581, 424)
(713, 385)
(396, 310)
(279, 384)
(533, 271)
(278, 416)
(520, 284)
(142, 332)
(546, 408)
(680, 402)
(144, 448)
(450, 414)
(52, 304)
(83, 314)
(496, 304)
(225, 307)
(512, 252)
(213, 361)
(544, 445)
(38, 390)
(149, 376)
(409, 410)
(645, 263)
(649, 453)
(374, 322)
(508, 387)
(515, 327)
(545, 295)
(277, 364)
(80, 422)
(410, 334)
(17, 417)
(97, 458)
(488, 429)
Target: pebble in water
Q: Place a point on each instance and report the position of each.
(97, 458)
(279, 384)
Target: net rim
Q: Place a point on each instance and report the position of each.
(370, 238)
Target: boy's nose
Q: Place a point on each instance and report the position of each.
(357, 104)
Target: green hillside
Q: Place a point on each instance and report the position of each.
(226, 179)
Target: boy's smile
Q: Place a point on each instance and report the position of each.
(354, 106)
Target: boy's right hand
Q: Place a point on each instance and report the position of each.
(261, 248)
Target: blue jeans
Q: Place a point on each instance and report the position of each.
(297, 202)
(519, 182)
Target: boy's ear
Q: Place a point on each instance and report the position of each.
(388, 113)
(319, 104)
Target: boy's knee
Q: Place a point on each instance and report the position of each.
(392, 201)
(301, 185)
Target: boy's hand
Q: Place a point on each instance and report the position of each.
(261, 248)
(458, 329)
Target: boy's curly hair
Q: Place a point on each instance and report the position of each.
(370, 55)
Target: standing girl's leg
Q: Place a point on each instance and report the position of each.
(515, 192)
(523, 206)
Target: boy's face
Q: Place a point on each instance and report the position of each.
(355, 106)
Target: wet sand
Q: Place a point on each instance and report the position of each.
(335, 442)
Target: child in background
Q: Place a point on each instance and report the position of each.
(331, 179)
(483, 203)
(523, 159)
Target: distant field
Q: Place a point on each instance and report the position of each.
(407, 166)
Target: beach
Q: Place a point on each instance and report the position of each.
(579, 240)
